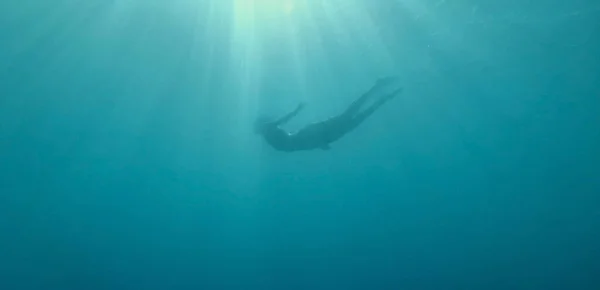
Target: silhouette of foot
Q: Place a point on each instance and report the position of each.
(393, 94)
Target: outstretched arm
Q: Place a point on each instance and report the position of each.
(290, 115)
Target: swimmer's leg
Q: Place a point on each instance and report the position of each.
(355, 107)
(362, 116)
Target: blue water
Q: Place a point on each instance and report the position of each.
(128, 160)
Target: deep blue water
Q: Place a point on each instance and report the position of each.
(128, 160)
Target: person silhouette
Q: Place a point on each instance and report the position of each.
(321, 134)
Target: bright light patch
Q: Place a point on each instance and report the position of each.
(267, 8)
(288, 6)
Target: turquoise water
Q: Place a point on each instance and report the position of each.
(128, 160)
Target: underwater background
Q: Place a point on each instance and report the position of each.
(128, 158)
